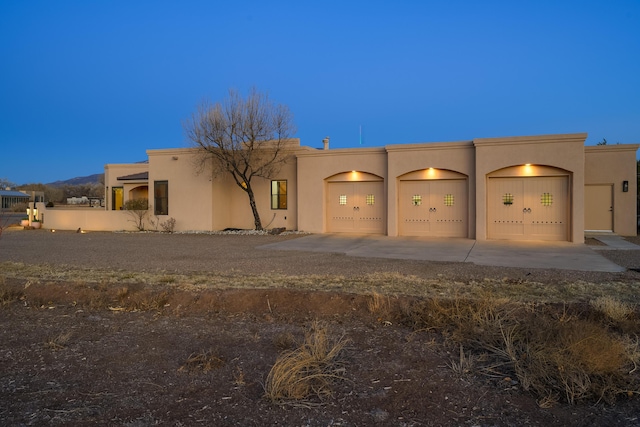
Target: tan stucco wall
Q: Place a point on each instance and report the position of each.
(88, 219)
(560, 151)
(315, 166)
(453, 156)
(231, 203)
(613, 164)
(200, 199)
(189, 188)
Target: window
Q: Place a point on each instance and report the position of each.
(507, 199)
(370, 199)
(161, 197)
(343, 199)
(546, 199)
(416, 200)
(278, 194)
(117, 198)
(448, 199)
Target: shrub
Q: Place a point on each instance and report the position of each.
(168, 225)
(614, 309)
(308, 370)
(138, 209)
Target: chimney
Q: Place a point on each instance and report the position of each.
(326, 143)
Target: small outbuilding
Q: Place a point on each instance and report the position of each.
(10, 198)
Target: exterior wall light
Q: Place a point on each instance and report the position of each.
(625, 186)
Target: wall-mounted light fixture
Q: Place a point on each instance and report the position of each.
(625, 186)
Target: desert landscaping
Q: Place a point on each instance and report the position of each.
(142, 329)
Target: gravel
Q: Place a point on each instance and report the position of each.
(238, 252)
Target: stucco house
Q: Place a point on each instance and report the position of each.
(546, 187)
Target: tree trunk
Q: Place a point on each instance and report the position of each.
(254, 208)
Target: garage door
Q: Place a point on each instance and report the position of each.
(433, 208)
(533, 208)
(356, 207)
(598, 207)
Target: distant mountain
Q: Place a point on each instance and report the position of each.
(81, 180)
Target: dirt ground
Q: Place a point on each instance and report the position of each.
(74, 353)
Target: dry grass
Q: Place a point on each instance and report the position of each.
(556, 352)
(465, 363)
(9, 294)
(202, 361)
(307, 371)
(284, 341)
(383, 283)
(558, 346)
(58, 342)
(613, 308)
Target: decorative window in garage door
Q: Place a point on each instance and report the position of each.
(448, 199)
(416, 200)
(343, 199)
(546, 199)
(507, 199)
(370, 199)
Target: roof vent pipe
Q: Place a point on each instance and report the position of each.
(326, 143)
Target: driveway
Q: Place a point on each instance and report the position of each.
(501, 253)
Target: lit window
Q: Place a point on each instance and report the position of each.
(371, 199)
(448, 199)
(507, 199)
(343, 199)
(546, 199)
(278, 194)
(416, 200)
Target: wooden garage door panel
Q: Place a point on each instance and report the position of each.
(414, 205)
(356, 207)
(433, 208)
(598, 207)
(449, 201)
(341, 205)
(506, 204)
(547, 211)
(533, 208)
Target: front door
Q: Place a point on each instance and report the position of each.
(598, 207)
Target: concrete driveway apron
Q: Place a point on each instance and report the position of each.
(523, 254)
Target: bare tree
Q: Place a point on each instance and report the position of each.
(5, 183)
(246, 137)
(137, 209)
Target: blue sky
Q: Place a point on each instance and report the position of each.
(85, 83)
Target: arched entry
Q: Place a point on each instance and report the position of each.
(528, 202)
(433, 202)
(355, 203)
(139, 192)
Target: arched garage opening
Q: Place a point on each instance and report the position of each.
(433, 202)
(355, 203)
(529, 202)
